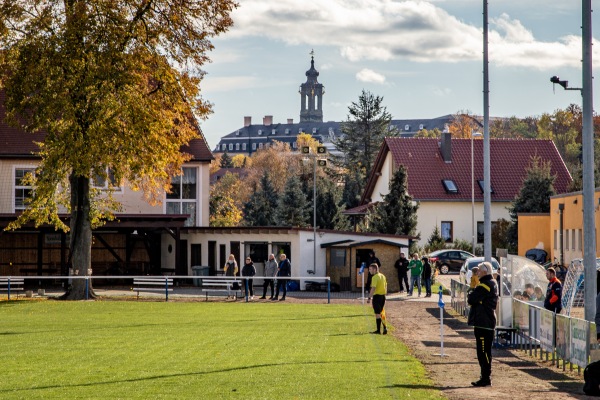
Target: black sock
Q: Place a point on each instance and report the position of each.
(378, 324)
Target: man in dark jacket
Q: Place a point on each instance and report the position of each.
(553, 301)
(482, 317)
(284, 270)
(402, 267)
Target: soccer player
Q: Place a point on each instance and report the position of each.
(377, 293)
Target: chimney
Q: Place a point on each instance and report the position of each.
(290, 121)
(268, 120)
(446, 147)
(247, 121)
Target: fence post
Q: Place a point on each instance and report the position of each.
(328, 291)
(9, 288)
(87, 287)
(166, 288)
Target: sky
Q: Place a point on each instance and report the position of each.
(425, 58)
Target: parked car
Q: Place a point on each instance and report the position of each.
(537, 255)
(449, 259)
(473, 262)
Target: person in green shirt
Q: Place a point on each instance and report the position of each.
(377, 293)
(416, 269)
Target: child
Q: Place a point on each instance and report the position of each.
(474, 278)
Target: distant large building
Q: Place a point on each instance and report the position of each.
(252, 137)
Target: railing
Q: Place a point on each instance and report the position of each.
(177, 279)
(557, 337)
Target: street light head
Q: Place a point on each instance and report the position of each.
(555, 79)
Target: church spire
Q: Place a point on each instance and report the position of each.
(311, 95)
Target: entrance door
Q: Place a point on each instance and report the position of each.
(212, 257)
(183, 268)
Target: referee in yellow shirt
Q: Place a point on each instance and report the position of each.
(378, 292)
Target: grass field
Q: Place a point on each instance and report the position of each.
(177, 350)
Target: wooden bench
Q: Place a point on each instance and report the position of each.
(221, 286)
(11, 285)
(153, 284)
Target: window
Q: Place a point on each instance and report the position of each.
(237, 133)
(101, 182)
(480, 229)
(182, 199)
(273, 131)
(299, 130)
(22, 191)
(572, 239)
(566, 239)
(230, 146)
(295, 145)
(287, 131)
(224, 147)
(446, 231)
(314, 130)
(580, 234)
(244, 146)
(407, 127)
(237, 146)
(259, 132)
(450, 186)
(555, 240)
(338, 257)
(421, 126)
(253, 146)
(481, 186)
(260, 145)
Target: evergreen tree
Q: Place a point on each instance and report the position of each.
(259, 210)
(226, 161)
(293, 209)
(367, 125)
(396, 214)
(329, 211)
(435, 241)
(534, 196)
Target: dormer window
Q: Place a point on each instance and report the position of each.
(481, 186)
(287, 131)
(407, 127)
(449, 186)
(299, 130)
(237, 133)
(259, 132)
(273, 131)
(314, 130)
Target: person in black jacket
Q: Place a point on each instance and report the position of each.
(482, 317)
(553, 300)
(284, 270)
(249, 270)
(402, 266)
(426, 276)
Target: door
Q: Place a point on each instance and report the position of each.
(183, 268)
(212, 257)
(196, 250)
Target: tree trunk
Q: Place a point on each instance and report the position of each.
(81, 239)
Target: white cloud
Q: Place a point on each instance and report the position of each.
(224, 84)
(368, 75)
(441, 92)
(383, 30)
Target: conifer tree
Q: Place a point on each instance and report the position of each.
(226, 161)
(396, 214)
(534, 196)
(293, 209)
(260, 209)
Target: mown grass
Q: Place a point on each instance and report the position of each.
(176, 350)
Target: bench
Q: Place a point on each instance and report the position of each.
(153, 284)
(10, 285)
(221, 286)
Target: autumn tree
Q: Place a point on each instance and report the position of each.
(115, 86)
(241, 161)
(226, 161)
(463, 125)
(224, 204)
(293, 208)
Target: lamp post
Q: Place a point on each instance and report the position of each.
(473, 230)
(321, 151)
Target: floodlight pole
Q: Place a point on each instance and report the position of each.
(589, 231)
(487, 197)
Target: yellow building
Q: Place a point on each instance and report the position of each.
(560, 232)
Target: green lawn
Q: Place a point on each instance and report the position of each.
(154, 350)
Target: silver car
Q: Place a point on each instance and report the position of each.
(473, 262)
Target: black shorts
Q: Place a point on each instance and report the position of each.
(378, 303)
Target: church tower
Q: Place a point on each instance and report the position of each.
(311, 95)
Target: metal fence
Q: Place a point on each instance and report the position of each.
(555, 337)
(175, 286)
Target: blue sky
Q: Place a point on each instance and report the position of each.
(423, 57)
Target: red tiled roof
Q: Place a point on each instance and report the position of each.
(14, 142)
(426, 168)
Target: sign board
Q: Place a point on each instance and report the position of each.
(579, 342)
(547, 330)
(563, 337)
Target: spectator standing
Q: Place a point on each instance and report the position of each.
(426, 276)
(416, 269)
(482, 317)
(249, 270)
(378, 292)
(553, 298)
(284, 270)
(270, 272)
(231, 266)
(402, 266)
